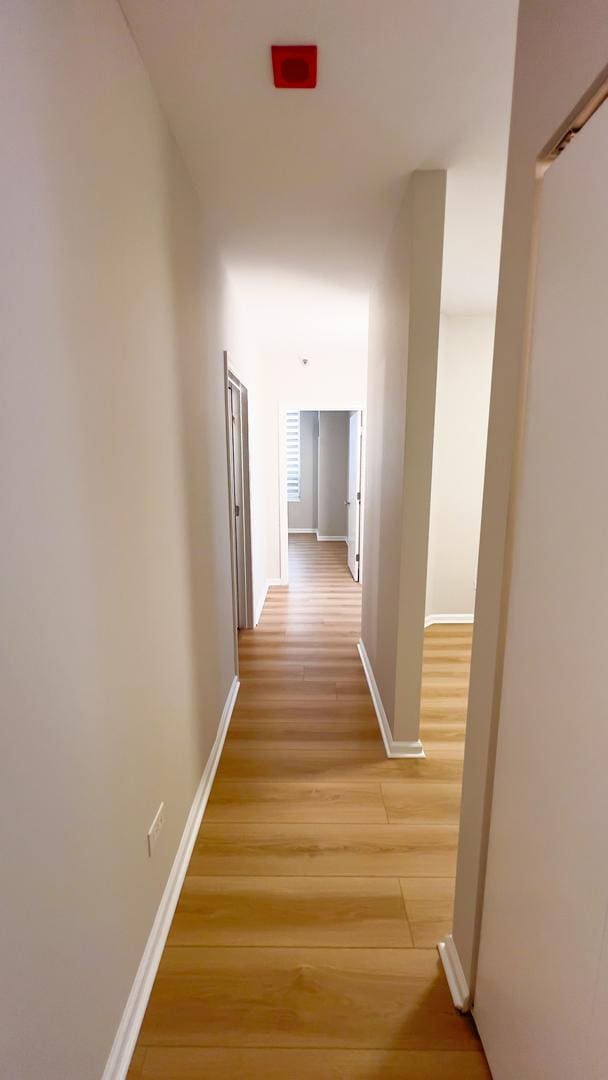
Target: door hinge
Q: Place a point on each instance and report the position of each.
(357, 558)
(358, 496)
(237, 511)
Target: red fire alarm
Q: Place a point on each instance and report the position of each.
(294, 66)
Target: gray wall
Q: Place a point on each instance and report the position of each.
(303, 514)
(117, 646)
(404, 331)
(333, 473)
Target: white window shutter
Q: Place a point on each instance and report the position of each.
(293, 456)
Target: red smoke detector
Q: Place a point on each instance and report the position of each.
(294, 66)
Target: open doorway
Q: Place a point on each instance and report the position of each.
(237, 444)
(322, 489)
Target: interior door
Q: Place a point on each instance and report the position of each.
(236, 463)
(354, 493)
(542, 986)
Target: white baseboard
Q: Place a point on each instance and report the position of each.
(124, 1043)
(454, 974)
(269, 584)
(432, 620)
(315, 532)
(260, 605)
(392, 746)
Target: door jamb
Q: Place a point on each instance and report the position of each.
(231, 377)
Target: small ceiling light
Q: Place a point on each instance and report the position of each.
(305, 360)
(294, 66)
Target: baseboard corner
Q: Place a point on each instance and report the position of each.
(446, 620)
(402, 748)
(260, 606)
(119, 1060)
(393, 747)
(454, 974)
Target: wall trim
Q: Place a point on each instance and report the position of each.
(393, 747)
(315, 532)
(454, 974)
(432, 620)
(259, 606)
(123, 1046)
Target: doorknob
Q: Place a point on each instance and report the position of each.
(347, 502)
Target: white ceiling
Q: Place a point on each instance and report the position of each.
(303, 186)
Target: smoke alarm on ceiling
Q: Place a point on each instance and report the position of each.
(294, 66)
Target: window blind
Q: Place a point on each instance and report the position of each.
(293, 456)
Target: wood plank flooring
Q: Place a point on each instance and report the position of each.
(303, 945)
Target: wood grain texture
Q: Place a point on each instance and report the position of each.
(409, 800)
(302, 997)
(417, 849)
(291, 911)
(332, 765)
(196, 1063)
(302, 803)
(430, 921)
(303, 944)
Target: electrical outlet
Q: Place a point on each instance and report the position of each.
(155, 828)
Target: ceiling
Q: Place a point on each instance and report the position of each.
(303, 186)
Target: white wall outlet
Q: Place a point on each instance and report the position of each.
(155, 828)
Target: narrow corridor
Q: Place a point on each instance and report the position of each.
(304, 940)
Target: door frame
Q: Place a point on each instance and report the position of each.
(231, 379)
(331, 406)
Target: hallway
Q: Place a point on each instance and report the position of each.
(304, 940)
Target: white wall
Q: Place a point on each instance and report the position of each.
(404, 331)
(333, 473)
(559, 53)
(464, 373)
(303, 514)
(542, 980)
(116, 631)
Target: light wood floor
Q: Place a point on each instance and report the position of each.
(303, 945)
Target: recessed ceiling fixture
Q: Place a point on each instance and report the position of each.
(294, 66)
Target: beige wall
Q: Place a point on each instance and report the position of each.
(116, 607)
(561, 48)
(333, 473)
(303, 514)
(461, 424)
(404, 328)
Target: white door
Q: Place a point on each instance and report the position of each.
(354, 492)
(542, 987)
(236, 465)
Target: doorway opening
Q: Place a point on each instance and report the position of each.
(237, 445)
(322, 484)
